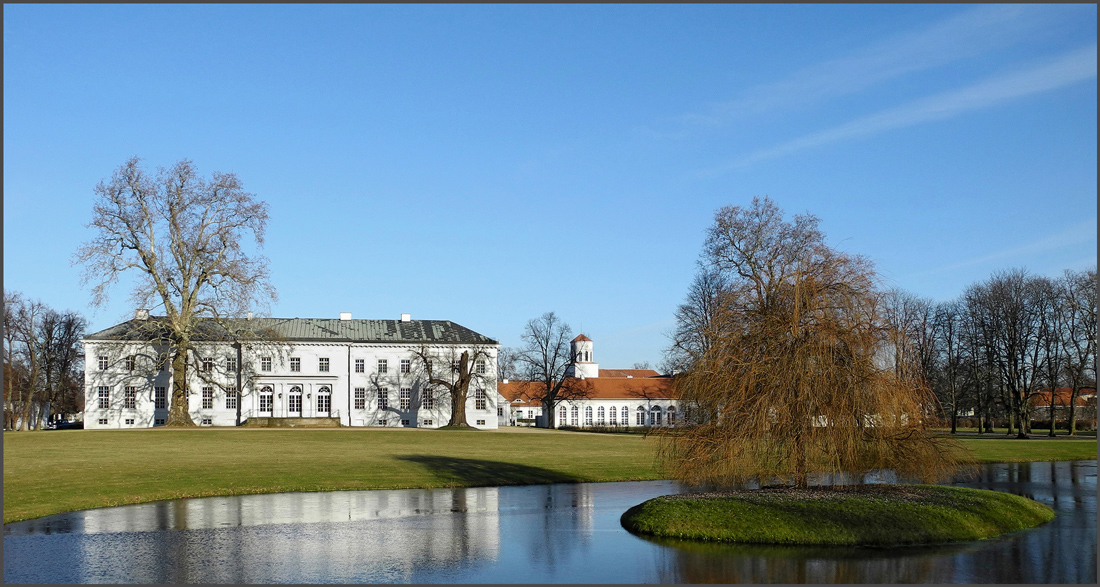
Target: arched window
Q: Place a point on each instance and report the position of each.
(655, 416)
(626, 416)
(295, 400)
(324, 399)
(614, 416)
(561, 416)
(601, 418)
(671, 416)
(640, 420)
(588, 416)
(266, 395)
(576, 413)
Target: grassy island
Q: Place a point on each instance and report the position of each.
(854, 515)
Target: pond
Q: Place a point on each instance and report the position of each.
(562, 533)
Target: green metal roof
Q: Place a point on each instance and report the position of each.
(309, 330)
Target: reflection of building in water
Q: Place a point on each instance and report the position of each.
(335, 537)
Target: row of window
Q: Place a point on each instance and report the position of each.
(160, 398)
(610, 418)
(323, 364)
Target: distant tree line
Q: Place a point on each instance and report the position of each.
(987, 353)
(43, 362)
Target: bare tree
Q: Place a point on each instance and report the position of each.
(696, 320)
(1079, 335)
(451, 372)
(950, 372)
(798, 379)
(545, 359)
(507, 363)
(183, 236)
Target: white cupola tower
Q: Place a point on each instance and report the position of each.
(582, 366)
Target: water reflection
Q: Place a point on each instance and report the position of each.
(561, 533)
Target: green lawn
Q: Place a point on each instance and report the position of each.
(861, 516)
(56, 471)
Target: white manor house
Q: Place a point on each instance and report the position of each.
(356, 372)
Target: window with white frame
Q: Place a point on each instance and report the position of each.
(231, 364)
(406, 365)
(158, 422)
(640, 420)
(129, 421)
(479, 399)
(295, 403)
(231, 398)
(104, 396)
(428, 422)
(295, 364)
(265, 363)
(324, 399)
(561, 416)
(129, 398)
(626, 415)
(427, 399)
(207, 398)
(383, 398)
(479, 366)
(322, 364)
(383, 366)
(207, 421)
(360, 366)
(612, 419)
(207, 364)
(601, 418)
(160, 398)
(267, 396)
(131, 363)
(481, 422)
(103, 363)
(500, 411)
(383, 422)
(405, 423)
(671, 416)
(102, 421)
(406, 398)
(575, 412)
(455, 366)
(360, 398)
(588, 416)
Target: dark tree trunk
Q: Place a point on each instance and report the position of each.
(178, 414)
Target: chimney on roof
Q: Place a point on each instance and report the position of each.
(141, 314)
(406, 317)
(345, 315)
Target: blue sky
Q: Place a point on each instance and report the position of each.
(486, 164)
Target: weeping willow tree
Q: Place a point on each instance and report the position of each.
(797, 377)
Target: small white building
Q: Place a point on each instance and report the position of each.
(358, 372)
(608, 398)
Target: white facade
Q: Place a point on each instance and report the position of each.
(359, 383)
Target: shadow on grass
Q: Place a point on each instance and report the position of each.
(476, 472)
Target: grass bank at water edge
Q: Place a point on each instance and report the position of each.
(853, 516)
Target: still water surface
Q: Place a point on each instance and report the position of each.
(564, 533)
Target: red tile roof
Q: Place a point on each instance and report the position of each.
(628, 373)
(1061, 397)
(581, 337)
(595, 388)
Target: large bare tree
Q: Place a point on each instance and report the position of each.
(451, 372)
(191, 242)
(800, 378)
(545, 360)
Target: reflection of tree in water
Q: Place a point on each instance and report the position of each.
(691, 562)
